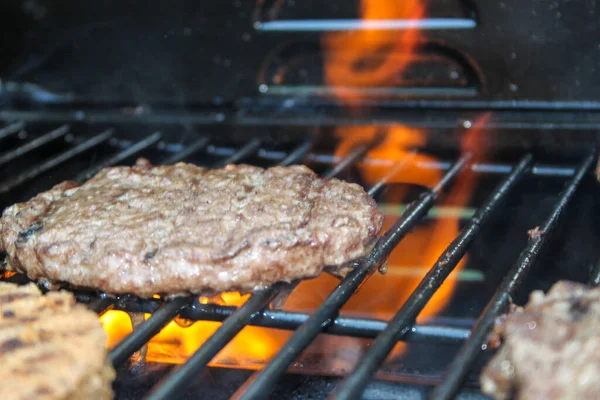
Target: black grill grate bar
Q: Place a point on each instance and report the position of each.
(148, 329)
(171, 386)
(261, 383)
(101, 305)
(343, 326)
(471, 349)
(297, 155)
(356, 382)
(34, 144)
(357, 154)
(379, 186)
(191, 149)
(55, 161)
(119, 157)
(11, 129)
(250, 148)
(542, 170)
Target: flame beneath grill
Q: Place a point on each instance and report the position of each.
(372, 58)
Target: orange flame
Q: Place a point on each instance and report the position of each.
(371, 58)
(384, 294)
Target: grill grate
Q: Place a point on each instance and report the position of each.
(325, 319)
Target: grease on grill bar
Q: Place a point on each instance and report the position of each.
(341, 326)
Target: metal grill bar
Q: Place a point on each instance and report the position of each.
(393, 171)
(344, 326)
(462, 363)
(55, 161)
(120, 156)
(247, 150)
(261, 383)
(171, 386)
(148, 330)
(542, 170)
(101, 305)
(352, 158)
(296, 155)
(34, 144)
(355, 383)
(11, 129)
(193, 148)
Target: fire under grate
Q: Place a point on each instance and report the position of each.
(325, 319)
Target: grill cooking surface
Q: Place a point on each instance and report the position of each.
(37, 155)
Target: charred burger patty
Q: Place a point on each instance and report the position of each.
(186, 229)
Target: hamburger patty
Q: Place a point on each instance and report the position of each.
(551, 347)
(185, 229)
(51, 347)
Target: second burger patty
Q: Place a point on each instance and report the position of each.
(186, 229)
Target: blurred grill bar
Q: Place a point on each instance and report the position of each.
(119, 157)
(53, 162)
(11, 129)
(34, 144)
(193, 148)
(246, 151)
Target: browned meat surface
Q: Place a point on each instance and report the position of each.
(51, 347)
(186, 229)
(551, 347)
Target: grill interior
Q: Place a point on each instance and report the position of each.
(517, 192)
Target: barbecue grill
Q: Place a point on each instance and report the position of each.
(111, 82)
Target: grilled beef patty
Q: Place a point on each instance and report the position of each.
(551, 347)
(51, 347)
(185, 229)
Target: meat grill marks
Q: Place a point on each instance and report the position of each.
(325, 319)
(51, 347)
(550, 347)
(184, 229)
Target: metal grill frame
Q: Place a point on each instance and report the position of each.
(325, 319)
